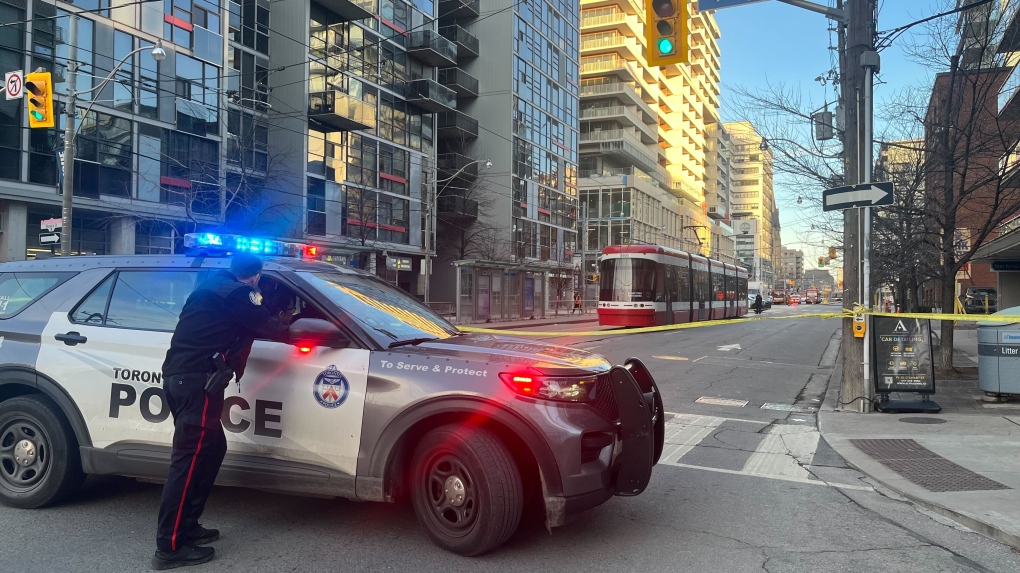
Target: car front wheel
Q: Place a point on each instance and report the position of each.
(39, 460)
(467, 490)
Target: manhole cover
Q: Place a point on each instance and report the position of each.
(922, 420)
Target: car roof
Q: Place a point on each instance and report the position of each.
(166, 261)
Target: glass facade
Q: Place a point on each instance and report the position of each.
(359, 178)
(544, 177)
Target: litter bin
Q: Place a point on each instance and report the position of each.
(999, 354)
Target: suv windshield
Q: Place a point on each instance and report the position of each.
(381, 308)
(981, 291)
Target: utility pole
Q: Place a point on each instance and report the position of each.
(856, 38)
(72, 96)
(427, 209)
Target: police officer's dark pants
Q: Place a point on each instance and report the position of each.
(199, 447)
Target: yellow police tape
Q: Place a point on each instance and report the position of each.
(846, 313)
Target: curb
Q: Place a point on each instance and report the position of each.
(981, 527)
(978, 526)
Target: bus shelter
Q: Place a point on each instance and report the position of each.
(503, 290)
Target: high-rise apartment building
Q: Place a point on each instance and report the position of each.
(507, 260)
(355, 94)
(792, 267)
(149, 153)
(652, 151)
(752, 199)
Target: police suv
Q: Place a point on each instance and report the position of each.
(375, 397)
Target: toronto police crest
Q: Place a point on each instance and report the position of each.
(331, 388)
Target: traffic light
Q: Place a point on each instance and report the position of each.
(39, 86)
(832, 253)
(821, 262)
(666, 32)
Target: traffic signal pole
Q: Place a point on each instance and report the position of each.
(68, 167)
(856, 99)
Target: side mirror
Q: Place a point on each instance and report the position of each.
(310, 332)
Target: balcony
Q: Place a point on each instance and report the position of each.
(467, 44)
(625, 147)
(625, 48)
(458, 9)
(1010, 23)
(431, 48)
(457, 126)
(463, 167)
(624, 24)
(337, 111)
(430, 96)
(455, 209)
(350, 9)
(626, 92)
(1009, 105)
(626, 115)
(459, 81)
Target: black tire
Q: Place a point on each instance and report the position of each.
(491, 496)
(39, 459)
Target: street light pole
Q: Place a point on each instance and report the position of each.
(71, 131)
(430, 204)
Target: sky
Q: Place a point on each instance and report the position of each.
(772, 42)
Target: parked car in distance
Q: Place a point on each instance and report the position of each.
(976, 297)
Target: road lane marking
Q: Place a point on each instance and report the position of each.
(702, 358)
(670, 357)
(795, 480)
(721, 401)
(680, 438)
(785, 454)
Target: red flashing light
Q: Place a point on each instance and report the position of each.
(311, 251)
(304, 349)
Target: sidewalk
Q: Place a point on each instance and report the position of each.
(962, 463)
(563, 318)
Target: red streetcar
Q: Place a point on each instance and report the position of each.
(650, 285)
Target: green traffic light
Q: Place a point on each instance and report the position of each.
(665, 46)
(37, 116)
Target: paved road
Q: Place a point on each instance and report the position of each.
(740, 488)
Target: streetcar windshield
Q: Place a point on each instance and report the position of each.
(626, 280)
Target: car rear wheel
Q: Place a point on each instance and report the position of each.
(39, 459)
(467, 490)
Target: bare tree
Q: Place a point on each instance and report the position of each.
(967, 144)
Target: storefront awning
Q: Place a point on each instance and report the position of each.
(1002, 248)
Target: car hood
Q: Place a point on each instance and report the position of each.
(513, 350)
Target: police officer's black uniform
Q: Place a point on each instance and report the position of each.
(216, 316)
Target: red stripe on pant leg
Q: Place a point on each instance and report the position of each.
(184, 494)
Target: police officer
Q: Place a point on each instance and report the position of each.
(219, 317)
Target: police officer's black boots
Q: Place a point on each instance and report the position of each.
(201, 535)
(187, 555)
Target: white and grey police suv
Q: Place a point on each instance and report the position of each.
(375, 398)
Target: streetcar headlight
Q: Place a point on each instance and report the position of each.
(558, 388)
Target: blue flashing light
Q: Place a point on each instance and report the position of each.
(224, 244)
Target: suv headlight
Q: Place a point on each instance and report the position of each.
(558, 388)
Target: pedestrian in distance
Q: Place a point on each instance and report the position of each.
(577, 303)
(757, 304)
(209, 347)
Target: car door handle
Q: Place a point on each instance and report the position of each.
(71, 338)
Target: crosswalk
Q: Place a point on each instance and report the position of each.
(745, 447)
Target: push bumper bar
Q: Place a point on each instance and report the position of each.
(642, 425)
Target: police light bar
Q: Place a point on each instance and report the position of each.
(216, 243)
